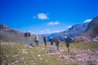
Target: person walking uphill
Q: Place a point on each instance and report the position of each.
(57, 41)
(67, 41)
(37, 40)
(45, 40)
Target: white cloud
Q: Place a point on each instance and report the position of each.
(42, 16)
(56, 31)
(87, 20)
(69, 27)
(53, 23)
(48, 31)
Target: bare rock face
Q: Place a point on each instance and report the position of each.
(78, 39)
(92, 29)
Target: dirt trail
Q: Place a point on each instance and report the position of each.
(81, 57)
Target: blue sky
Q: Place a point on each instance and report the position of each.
(46, 16)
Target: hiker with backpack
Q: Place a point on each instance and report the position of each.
(45, 40)
(36, 40)
(57, 41)
(52, 48)
(51, 40)
(67, 41)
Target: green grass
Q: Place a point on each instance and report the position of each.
(19, 54)
(85, 46)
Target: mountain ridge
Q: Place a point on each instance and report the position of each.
(89, 31)
(92, 29)
(75, 30)
(11, 35)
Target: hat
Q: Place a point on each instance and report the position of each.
(51, 37)
(65, 36)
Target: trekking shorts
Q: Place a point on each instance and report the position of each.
(36, 41)
(67, 44)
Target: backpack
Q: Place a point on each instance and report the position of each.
(69, 40)
(58, 40)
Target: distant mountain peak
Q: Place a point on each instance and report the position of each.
(92, 23)
(92, 29)
(3, 26)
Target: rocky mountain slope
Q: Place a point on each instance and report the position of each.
(88, 31)
(10, 35)
(92, 29)
(75, 30)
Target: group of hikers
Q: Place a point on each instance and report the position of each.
(52, 40)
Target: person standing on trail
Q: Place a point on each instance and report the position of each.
(36, 40)
(52, 48)
(67, 41)
(45, 40)
(57, 41)
(51, 40)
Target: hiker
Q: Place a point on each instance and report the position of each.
(37, 40)
(45, 40)
(51, 40)
(52, 49)
(67, 41)
(57, 41)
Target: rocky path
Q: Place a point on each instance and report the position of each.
(16, 54)
(81, 57)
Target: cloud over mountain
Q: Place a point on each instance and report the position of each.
(87, 20)
(53, 23)
(69, 27)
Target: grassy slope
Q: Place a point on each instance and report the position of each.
(18, 54)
